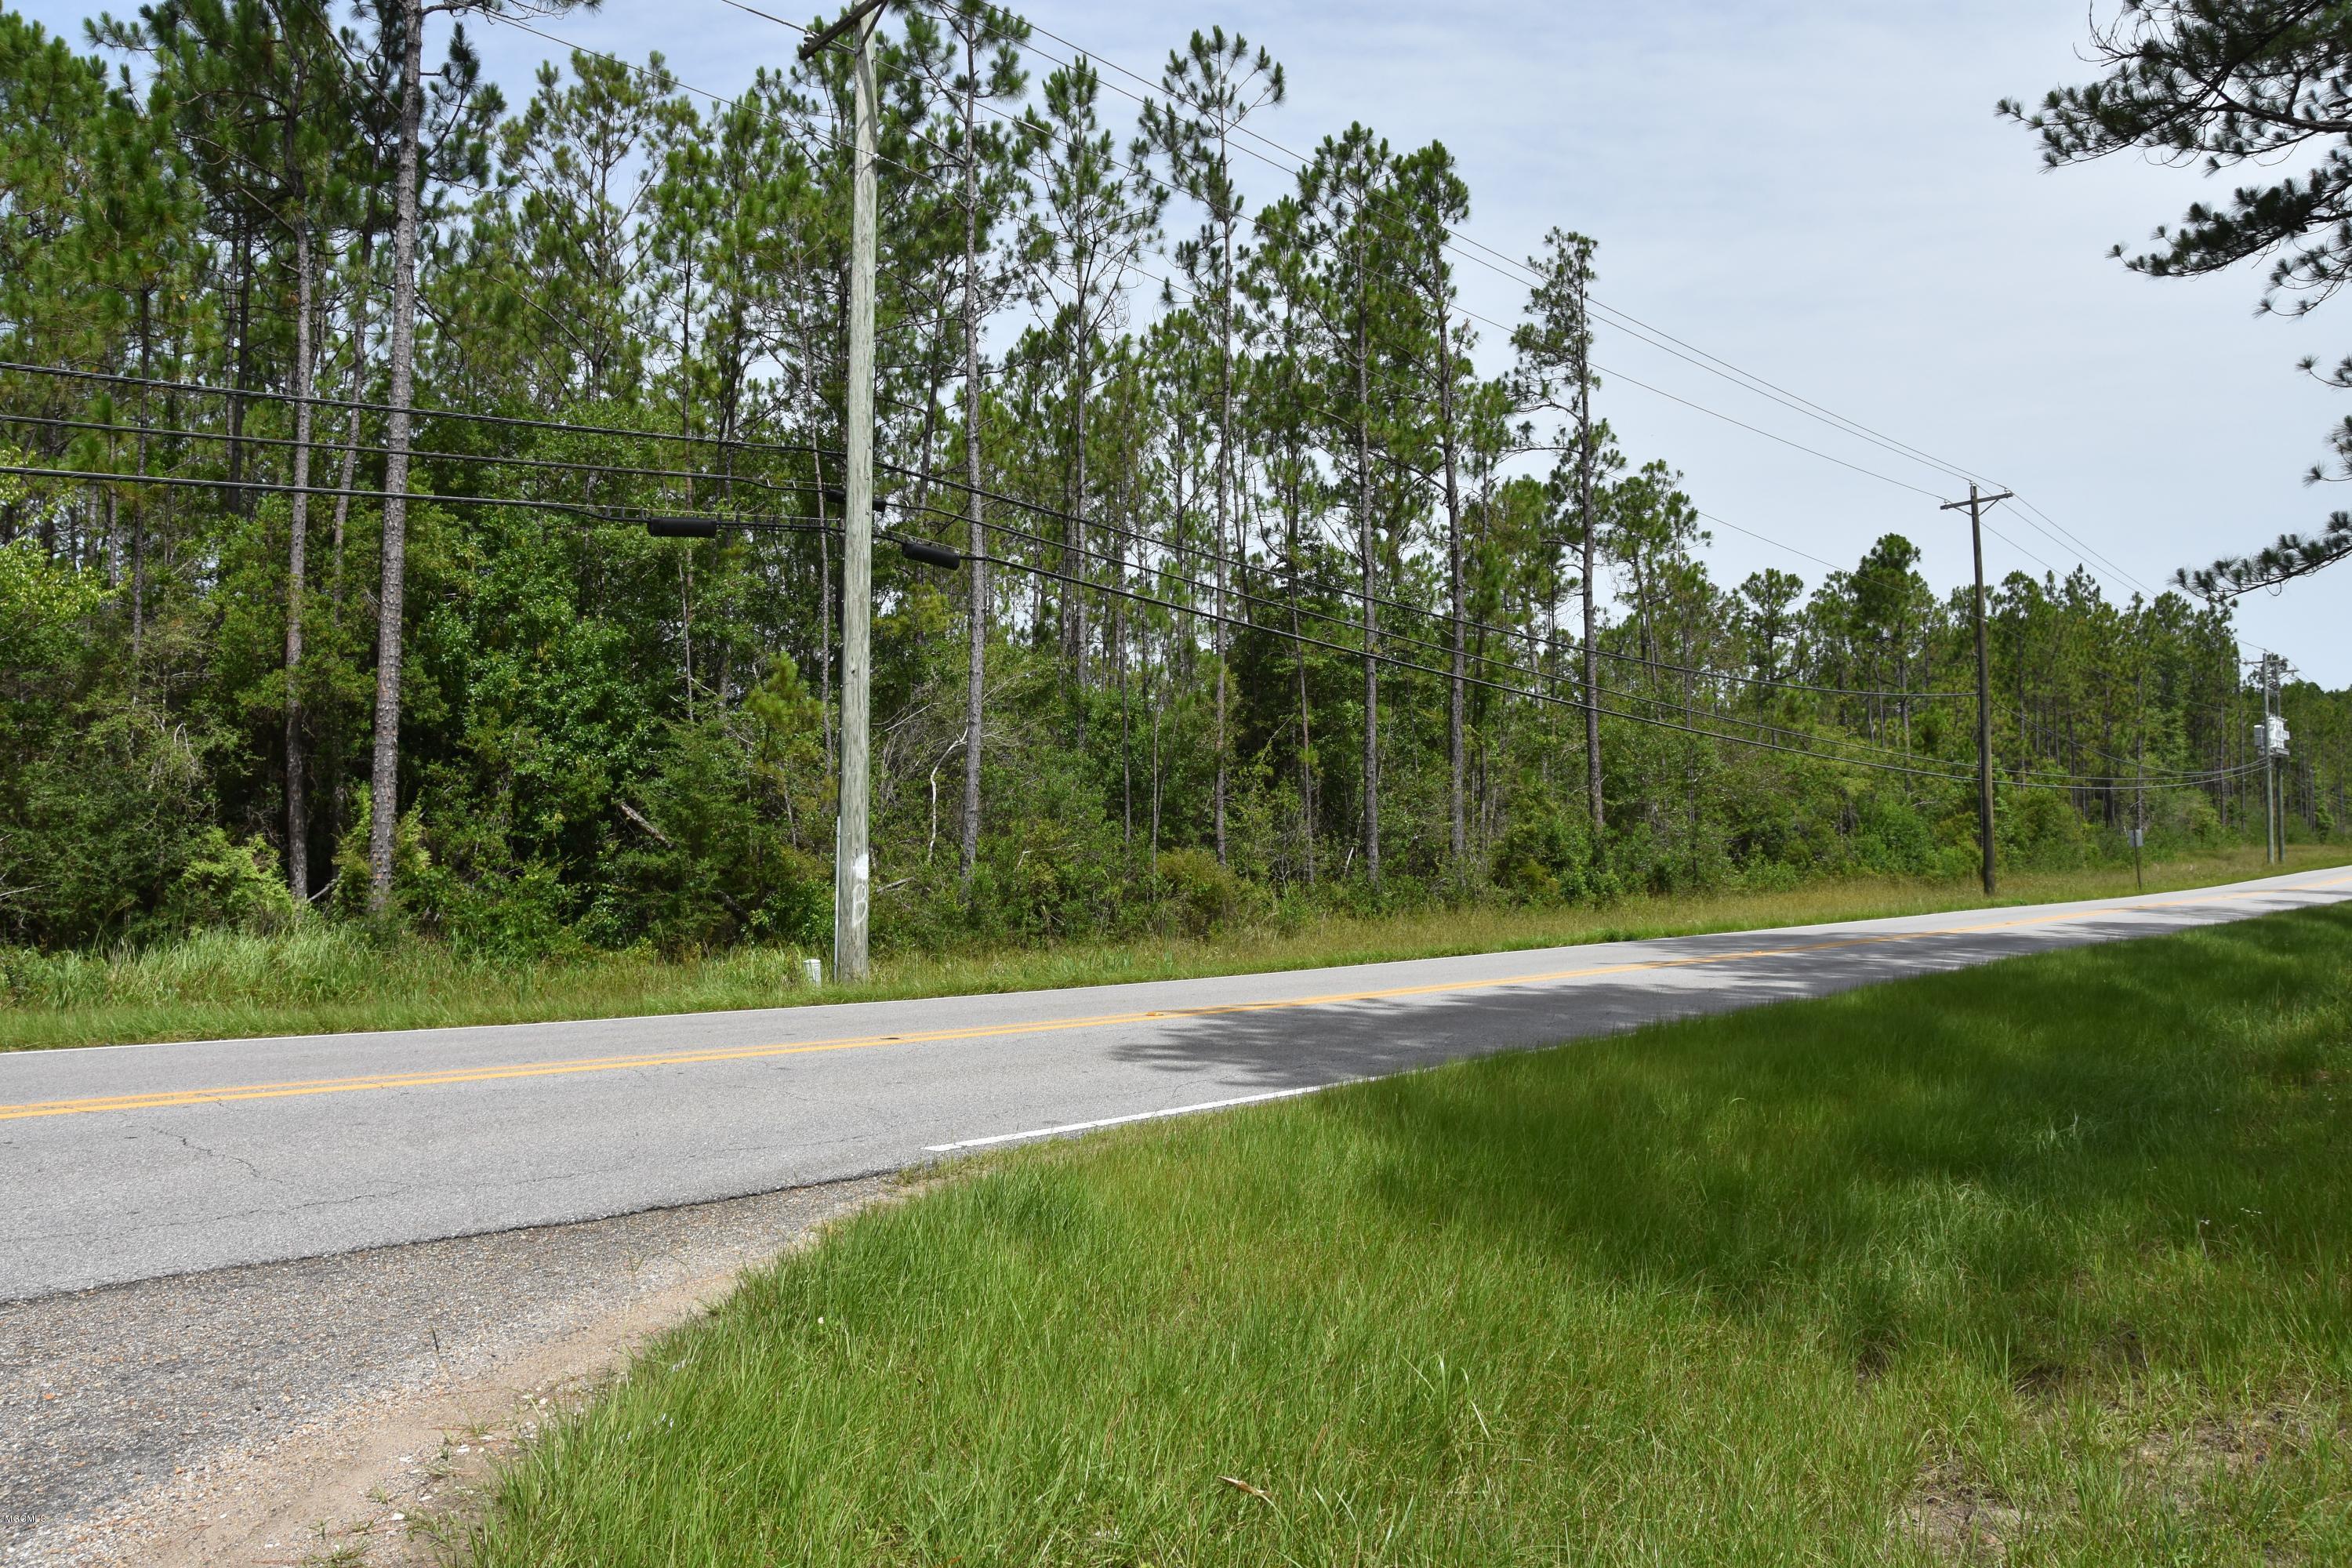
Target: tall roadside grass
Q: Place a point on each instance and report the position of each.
(325, 977)
(2049, 1262)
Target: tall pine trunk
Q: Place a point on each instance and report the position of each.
(1455, 715)
(1224, 631)
(1073, 535)
(331, 768)
(975, 690)
(1586, 458)
(1299, 649)
(138, 503)
(238, 496)
(384, 825)
(1367, 541)
(352, 426)
(297, 821)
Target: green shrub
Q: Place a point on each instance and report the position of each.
(353, 873)
(1543, 856)
(232, 884)
(2040, 830)
(1197, 895)
(508, 918)
(101, 824)
(707, 861)
(1769, 876)
(1892, 836)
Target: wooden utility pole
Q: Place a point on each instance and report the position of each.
(1975, 504)
(852, 859)
(2139, 794)
(2273, 833)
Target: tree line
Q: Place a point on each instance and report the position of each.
(336, 393)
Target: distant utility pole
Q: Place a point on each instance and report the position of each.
(2139, 794)
(1976, 504)
(2270, 776)
(852, 860)
(2270, 736)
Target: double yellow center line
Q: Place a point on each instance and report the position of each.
(161, 1100)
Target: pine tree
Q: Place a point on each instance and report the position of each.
(1213, 85)
(2229, 85)
(1091, 224)
(1555, 360)
(1436, 200)
(987, 161)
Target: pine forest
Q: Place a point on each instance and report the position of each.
(421, 507)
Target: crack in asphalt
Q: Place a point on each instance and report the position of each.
(184, 1142)
(184, 1222)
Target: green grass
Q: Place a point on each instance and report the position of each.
(2049, 1262)
(326, 978)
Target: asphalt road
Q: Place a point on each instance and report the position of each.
(128, 1162)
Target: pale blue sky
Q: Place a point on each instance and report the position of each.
(1819, 193)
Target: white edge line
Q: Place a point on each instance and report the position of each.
(1139, 1116)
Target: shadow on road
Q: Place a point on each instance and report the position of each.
(1292, 1047)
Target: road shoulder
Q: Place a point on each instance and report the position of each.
(340, 1408)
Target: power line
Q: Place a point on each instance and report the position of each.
(1173, 286)
(733, 444)
(185, 481)
(607, 515)
(606, 512)
(421, 412)
(1635, 328)
(1241, 566)
(1659, 338)
(1785, 441)
(1249, 598)
(331, 445)
(1544, 697)
(1768, 539)
(761, 524)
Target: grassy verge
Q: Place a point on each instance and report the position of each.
(2046, 1262)
(329, 978)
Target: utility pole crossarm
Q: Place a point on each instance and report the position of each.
(842, 24)
(1976, 500)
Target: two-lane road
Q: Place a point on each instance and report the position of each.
(126, 1163)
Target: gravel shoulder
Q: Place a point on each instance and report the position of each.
(339, 1409)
